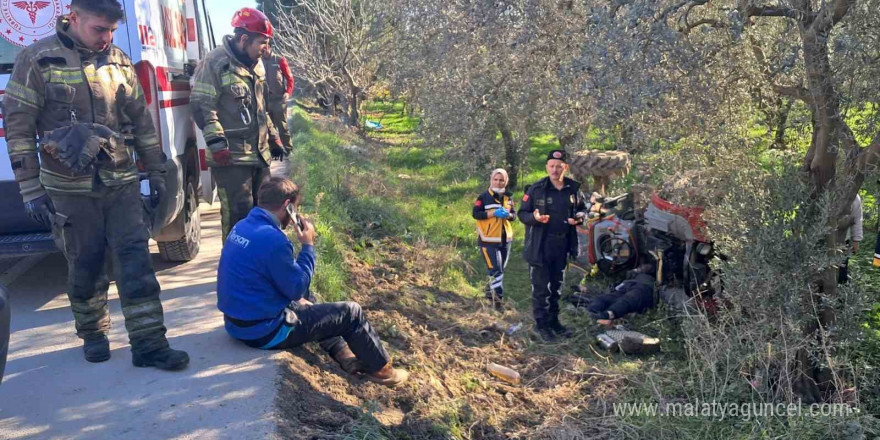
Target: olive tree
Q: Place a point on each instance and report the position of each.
(684, 75)
(334, 45)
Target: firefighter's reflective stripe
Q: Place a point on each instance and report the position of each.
(136, 92)
(21, 146)
(118, 177)
(149, 140)
(23, 94)
(57, 182)
(64, 75)
(213, 129)
(229, 78)
(201, 88)
(90, 73)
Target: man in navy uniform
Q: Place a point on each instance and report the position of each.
(550, 210)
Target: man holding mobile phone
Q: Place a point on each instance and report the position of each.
(263, 291)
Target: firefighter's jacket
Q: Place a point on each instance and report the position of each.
(279, 80)
(493, 229)
(62, 92)
(229, 105)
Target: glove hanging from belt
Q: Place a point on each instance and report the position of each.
(77, 146)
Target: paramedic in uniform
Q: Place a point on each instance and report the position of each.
(80, 94)
(229, 105)
(493, 211)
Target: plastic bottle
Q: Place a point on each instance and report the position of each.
(504, 373)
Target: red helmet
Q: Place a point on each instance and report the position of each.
(252, 21)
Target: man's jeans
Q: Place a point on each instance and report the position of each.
(333, 325)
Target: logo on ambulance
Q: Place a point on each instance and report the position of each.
(23, 22)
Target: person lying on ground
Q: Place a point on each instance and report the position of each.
(264, 294)
(635, 295)
(493, 211)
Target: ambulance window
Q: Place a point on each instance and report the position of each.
(8, 52)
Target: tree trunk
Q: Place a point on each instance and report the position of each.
(353, 104)
(780, 121)
(512, 157)
(830, 133)
(353, 99)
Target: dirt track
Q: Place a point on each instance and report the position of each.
(445, 340)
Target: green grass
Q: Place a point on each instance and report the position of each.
(433, 203)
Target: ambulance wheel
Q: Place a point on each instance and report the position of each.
(186, 248)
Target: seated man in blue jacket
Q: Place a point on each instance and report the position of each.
(264, 295)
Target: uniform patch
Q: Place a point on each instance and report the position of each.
(557, 155)
(525, 197)
(478, 203)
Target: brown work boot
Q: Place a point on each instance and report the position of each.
(388, 376)
(348, 361)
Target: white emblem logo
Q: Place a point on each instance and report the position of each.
(23, 22)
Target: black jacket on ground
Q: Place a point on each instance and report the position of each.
(536, 198)
(632, 296)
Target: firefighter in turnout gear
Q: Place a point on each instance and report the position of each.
(493, 211)
(79, 93)
(279, 88)
(229, 105)
(551, 209)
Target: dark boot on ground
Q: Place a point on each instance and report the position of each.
(96, 348)
(546, 334)
(388, 376)
(497, 301)
(560, 329)
(348, 361)
(163, 359)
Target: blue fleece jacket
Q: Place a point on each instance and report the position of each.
(258, 275)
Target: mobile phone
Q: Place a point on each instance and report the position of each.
(296, 220)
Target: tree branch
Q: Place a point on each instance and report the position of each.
(831, 14)
(797, 92)
(869, 159)
(674, 8)
(703, 22)
(771, 11)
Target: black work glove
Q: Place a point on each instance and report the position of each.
(277, 150)
(157, 187)
(220, 153)
(41, 210)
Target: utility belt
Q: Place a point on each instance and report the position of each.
(242, 323)
(290, 318)
(82, 147)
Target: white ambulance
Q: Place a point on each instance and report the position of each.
(165, 39)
